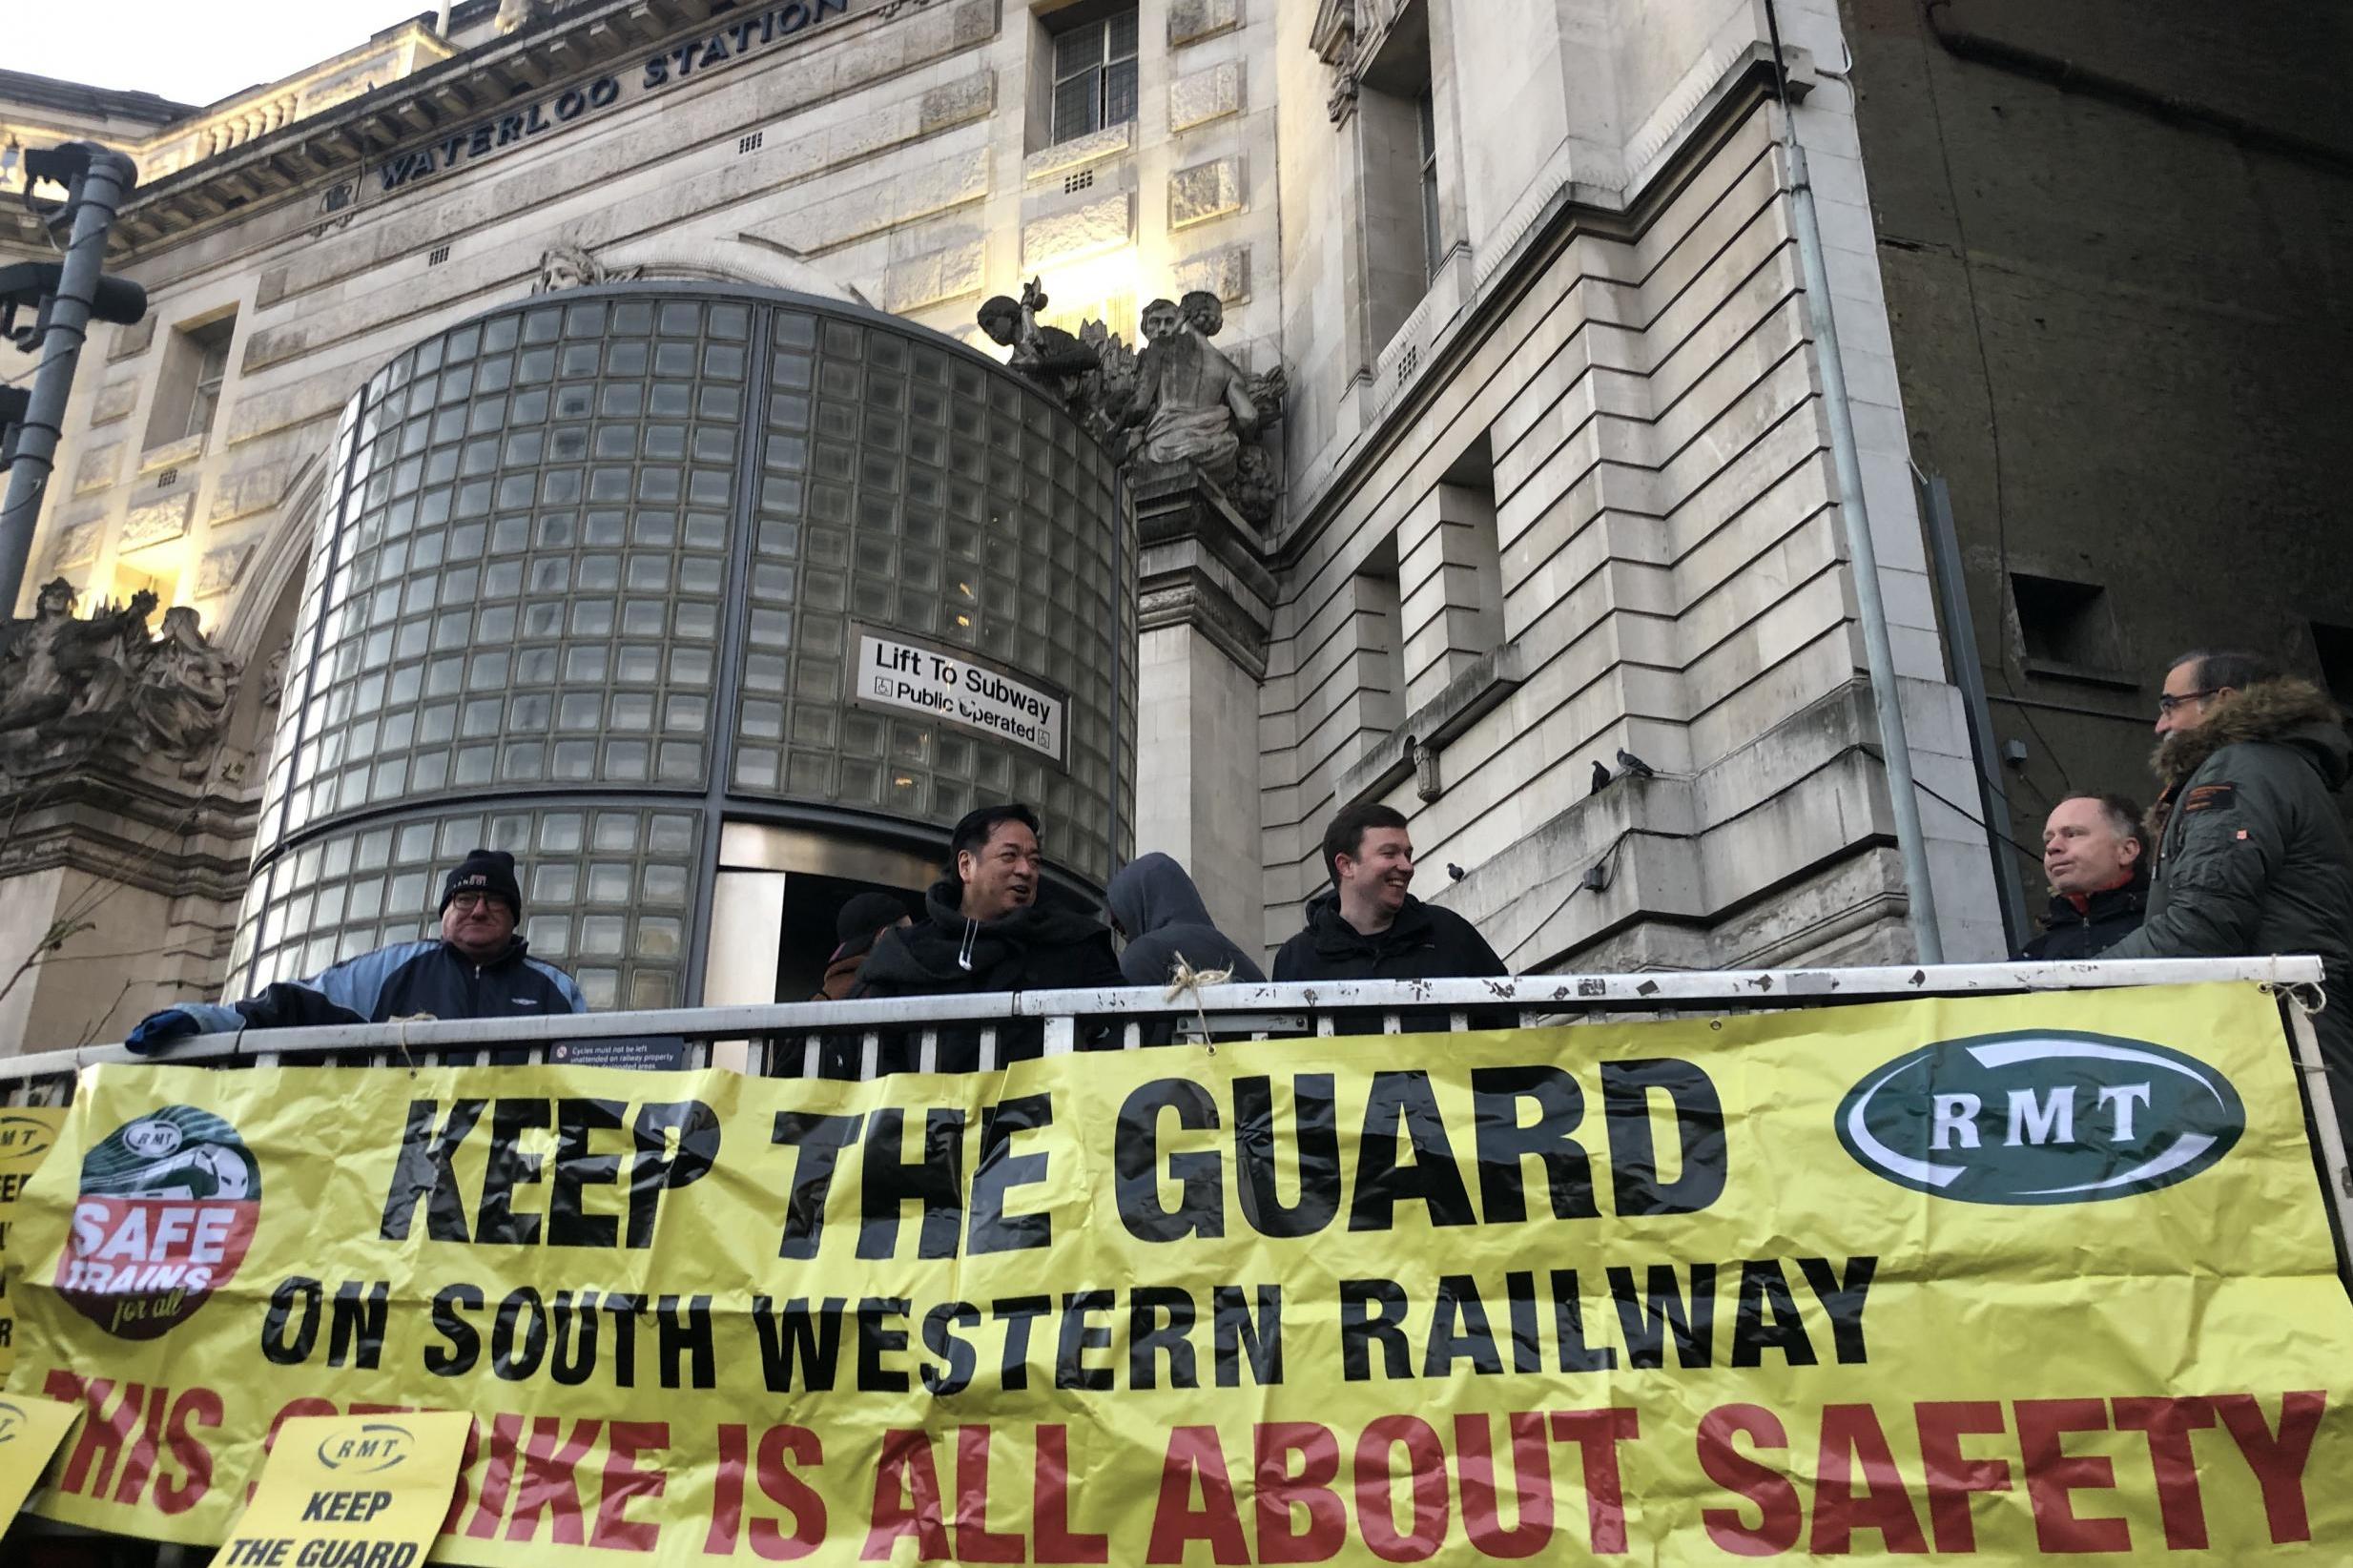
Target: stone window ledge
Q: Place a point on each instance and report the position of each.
(1078, 151)
(186, 449)
(1468, 697)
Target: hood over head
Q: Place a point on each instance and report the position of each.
(1151, 892)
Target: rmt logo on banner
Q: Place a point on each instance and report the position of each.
(2041, 1117)
(167, 1209)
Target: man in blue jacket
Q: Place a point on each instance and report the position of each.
(478, 969)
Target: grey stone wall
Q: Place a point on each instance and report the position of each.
(2122, 339)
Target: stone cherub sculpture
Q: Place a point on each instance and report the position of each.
(1191, 403)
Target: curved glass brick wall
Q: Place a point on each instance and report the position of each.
(589, 571)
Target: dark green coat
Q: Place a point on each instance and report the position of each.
(2252, 855)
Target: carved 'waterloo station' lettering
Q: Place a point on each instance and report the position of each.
(776, 25)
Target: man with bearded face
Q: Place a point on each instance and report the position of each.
(2251, 849)
(1193, 403)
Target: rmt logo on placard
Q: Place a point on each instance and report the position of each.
(12, 1420)
(167, 1209)
(22, 1137)
(372, 1449)
(2041, 1117)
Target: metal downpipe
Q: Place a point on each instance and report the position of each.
(1879, 650)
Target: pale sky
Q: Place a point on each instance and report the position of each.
(191, 51)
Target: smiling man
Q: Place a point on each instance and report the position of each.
(983, 928)
(2093, 856)
(478, 969)
(1369, 927)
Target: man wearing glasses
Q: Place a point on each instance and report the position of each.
(2252, 855)
(478, 969)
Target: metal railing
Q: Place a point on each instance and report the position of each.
(861, 1039)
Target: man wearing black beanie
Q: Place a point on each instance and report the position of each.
(478, 969)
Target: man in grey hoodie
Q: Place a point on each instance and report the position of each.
(1156, 907)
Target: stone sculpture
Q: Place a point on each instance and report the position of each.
(1177, 404)
(564, 266)
(1046, 355)
(184, 689)
(70, 689)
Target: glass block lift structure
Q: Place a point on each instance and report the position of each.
(601, 578)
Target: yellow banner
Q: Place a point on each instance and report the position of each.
(29, 1433)
(1997, 1278)
(27, 1134)
(351, 1491)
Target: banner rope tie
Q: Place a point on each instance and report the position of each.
(1185, 980)
(2310, 996)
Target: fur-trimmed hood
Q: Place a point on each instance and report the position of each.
(2284, 712)
(2288, 712)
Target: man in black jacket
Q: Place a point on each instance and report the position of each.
(983, 928)
(1369, 927)
(2091, 851)
(478, 969)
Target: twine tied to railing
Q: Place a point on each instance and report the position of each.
(1185, 980)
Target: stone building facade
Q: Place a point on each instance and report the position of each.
(1554, 470)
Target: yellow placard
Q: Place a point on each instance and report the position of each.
(2003, 1279)
(351, 1491)
(27, 1134)
(29, 1432)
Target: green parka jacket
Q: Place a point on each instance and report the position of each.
(2252, 853)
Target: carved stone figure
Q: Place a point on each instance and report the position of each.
(1178, 402)
(274, 676)
(564, 266)
(1192, 402)
(183, 693)
(1046, 355)
(1115, 385)
(104, 657)
(32, 690)
(71, 690)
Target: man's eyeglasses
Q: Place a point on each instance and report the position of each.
(470, 901)
(2170, 702)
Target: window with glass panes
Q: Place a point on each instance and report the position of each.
(211, 371)
(1095, 73)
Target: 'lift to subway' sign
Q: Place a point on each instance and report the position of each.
(894, 671)
(744, 33)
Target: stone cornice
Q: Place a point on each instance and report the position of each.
(447, 97)
(131, 831)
